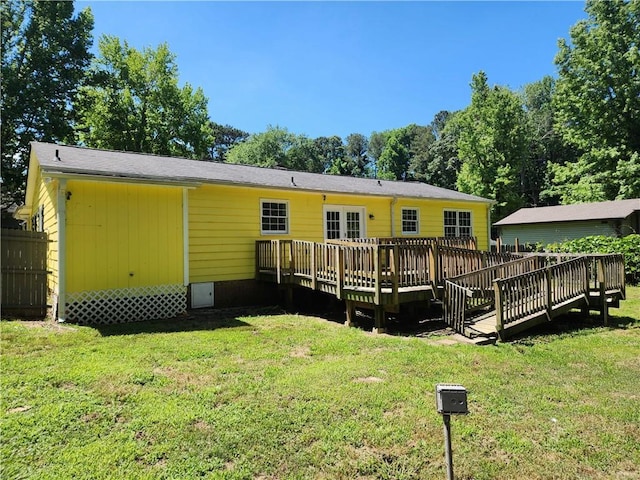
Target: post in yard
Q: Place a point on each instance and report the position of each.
(450, 400)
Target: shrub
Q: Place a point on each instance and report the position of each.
(629, 246)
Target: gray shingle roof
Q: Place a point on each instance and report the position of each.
(144, 167)
(569, 213)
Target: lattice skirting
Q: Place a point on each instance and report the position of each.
(126, 304)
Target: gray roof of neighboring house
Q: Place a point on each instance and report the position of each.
(145, 167)
(617, 209)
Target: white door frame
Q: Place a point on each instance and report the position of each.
(343, 210)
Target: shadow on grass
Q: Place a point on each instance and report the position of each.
(572, 323)
(192, 321)
(410, 322)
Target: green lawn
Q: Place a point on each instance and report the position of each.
(297, 397)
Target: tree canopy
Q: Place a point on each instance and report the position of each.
(134, 103)
(45, 52)
(597, 102)
(493, 145)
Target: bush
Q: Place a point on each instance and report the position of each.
(629, 246)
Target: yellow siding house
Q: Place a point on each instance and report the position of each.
(136, 236)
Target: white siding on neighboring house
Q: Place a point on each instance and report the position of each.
(546, 233)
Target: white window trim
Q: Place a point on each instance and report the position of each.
(417, 210)
(457, 210)
(274, 232)
(343, 209)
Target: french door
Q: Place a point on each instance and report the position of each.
(341, 222)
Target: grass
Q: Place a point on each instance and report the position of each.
(294, 397)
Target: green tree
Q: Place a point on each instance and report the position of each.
(420, 139)
(330, 150)
(224, 137)
(45, 52)
(546, 146)
(277, 147)
(134, 103)
(355, 160)
(444, 163)
(597, 102)
(377, 142)
(266, 149)
(394, 160)
(493, 146)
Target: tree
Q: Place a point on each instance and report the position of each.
(546, 146)
(224, 137)
(266, 149)
(394, 160)
(597, 102)
(45, 51)
(493, 145)
(420, 139)
(444, 163)
(354, 162)
(330, 150)
(134, 103)
(277, 147)
(377, 142)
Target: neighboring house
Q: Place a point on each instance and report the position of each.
(131, 235)
(565, 222)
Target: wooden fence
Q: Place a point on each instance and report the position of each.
(24, 273)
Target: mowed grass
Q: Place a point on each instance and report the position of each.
(296, 397)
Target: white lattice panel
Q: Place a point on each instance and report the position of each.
(126, 304)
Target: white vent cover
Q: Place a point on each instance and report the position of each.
(202, 295)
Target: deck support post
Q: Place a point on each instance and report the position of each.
(549, 280)
(351, 313)
(289, 298)
(379, 319)
(604, 306)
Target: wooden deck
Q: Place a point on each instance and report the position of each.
(484, 294)
(519, 295)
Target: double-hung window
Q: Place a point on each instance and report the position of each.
(457, 223)
(274, 217)
(410, 221)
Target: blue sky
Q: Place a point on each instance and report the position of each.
(335, 68)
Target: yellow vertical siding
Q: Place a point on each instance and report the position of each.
(123, 236)
(224, 223)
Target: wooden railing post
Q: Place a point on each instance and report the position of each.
(499, 310)
(549, 280)
(339, 271)
(314, 271)
(395, 274)
(278, 261)
(434, 264)
(377, 274)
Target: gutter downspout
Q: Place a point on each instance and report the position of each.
(185, 235)
(489, 227)
(393, 217)
(62, 249)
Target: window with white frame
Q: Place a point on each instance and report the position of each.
(410, 221)
(457, 223)
(274, 217)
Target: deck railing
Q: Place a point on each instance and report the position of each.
(452, 262)
(371, 265)
(469, 243)
(471, 292)
(540, 291)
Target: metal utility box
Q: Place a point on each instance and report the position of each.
(451, 399)
(202, 295)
